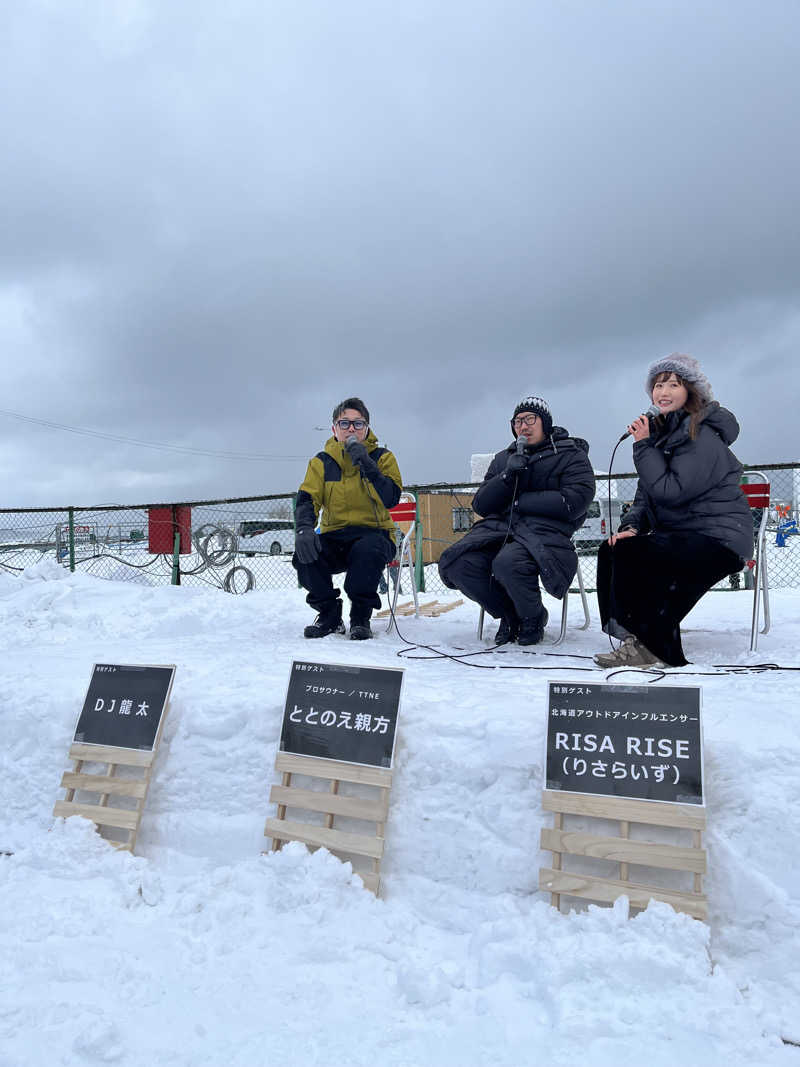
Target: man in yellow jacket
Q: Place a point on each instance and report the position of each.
(353, 482)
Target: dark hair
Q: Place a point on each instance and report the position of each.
(695, 404)
(351, 402)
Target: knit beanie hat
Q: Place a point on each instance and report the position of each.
(685, 367)
(537, 406)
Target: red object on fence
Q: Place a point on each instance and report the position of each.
(162, 524)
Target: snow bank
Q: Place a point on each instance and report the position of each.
(201, 950)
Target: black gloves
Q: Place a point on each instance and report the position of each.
(517, 462)
(357, 451)
(307, 545)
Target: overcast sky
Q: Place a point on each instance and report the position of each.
(217, 220)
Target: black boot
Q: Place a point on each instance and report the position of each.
(531, 629)
(359, 627)
(506, 631)
(327, 622)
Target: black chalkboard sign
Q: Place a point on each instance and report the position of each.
(340, 712)
(639, 741)
(124, 706)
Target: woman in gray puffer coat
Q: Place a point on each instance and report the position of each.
(689, 525)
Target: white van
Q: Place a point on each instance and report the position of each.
(274, 537)
(597, 527)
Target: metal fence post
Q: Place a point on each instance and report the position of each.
(176, 550)
(72, 540)
(419, 562)
(294, 520)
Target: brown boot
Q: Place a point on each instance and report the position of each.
(631, 653)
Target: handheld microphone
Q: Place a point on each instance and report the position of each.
(651, 413)
(348, 444)
(522, 441)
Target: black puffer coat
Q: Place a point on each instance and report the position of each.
(688, 485)
(548, 505)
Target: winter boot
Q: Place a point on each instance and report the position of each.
(631, 653)
(359, 627)
(531, 629)
(327, 622)
(506, 631)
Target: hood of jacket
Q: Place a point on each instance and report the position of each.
(717, 418)
(722, 421)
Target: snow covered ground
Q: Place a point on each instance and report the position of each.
(200, 950)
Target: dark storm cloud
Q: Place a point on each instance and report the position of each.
(217, 223)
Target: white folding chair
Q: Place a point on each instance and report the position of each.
(564, 605)
(404, 511)
(758, 494)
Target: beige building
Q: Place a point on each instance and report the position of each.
(446, 515)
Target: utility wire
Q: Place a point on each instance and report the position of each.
(185, 450)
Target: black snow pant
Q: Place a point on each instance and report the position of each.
(504, 582)
(359, 551)
(646, 584)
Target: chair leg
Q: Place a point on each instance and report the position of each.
(765, 594)
(586, 618)
(563, 631)
(393, 598)
(480, 625)
(582, 588)
(405, 558)
(756, 604)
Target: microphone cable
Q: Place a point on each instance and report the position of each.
(464, 658)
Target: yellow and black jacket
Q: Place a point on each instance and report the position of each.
(334, 486)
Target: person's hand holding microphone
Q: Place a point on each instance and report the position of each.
(361, 459)
(639, 430)
(517, 461)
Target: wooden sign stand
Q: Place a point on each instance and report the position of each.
(124, 745)
(623, 850)
(342, 843)
(105, 785)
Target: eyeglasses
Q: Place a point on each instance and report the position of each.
(525, 420)
(345, 424)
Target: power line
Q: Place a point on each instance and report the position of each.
(182, 449)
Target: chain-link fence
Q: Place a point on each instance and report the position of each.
(235, 545)
(247, 543)
(446, 514)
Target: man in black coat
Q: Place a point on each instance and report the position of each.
(534, 497)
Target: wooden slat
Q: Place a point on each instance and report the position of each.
(606, 890)
(409, 609)
(697, 839)
(119, 817)
(287, 762)
(372, 882)
(426, 609)
(103, 783)
(319, 836)
(684, 816)
(130, 757)
(623, 850)
(388, 611)
(440, 608)
(330, 803)
(558, 822)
